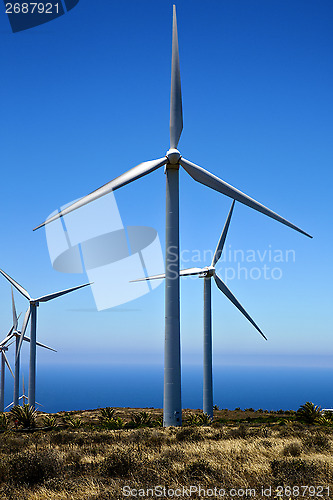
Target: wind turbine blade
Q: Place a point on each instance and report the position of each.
(46, 298)
(7, 363)
(204, 177)
(23, 390)
(15, 318)
(192, 271)
(224, 289)
(176, 111)
(24, 327)
(10, 335)
(129, 176)
(16, 285)
(185, 272)
(220, 245)
(45, 346)
(8, 406)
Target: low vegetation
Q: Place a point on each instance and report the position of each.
(93, 455)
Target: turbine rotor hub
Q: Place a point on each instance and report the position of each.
(207, 272)
(210, 271)
(173, 156)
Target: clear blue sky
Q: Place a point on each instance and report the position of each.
(86, 97)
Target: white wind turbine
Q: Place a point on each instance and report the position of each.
(17, 334)
(4, 362)
(208, 273)
(172, 160)
(32, 310)
(24, 398)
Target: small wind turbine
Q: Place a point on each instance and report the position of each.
(172, 160)
(24, 398)
(4, 362)
(208, 273)
(32, 310)
(17, 334)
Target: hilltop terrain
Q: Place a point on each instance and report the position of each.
(81, 455)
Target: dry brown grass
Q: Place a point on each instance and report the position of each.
(95, 464)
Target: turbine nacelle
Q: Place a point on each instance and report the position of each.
(173, 156)
(207, 272)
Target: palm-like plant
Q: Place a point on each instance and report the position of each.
(50, 421)
(192, 419)
(205, 419)
(75, 423)
(24, 416)
(114, 423)
(309, 413)
(107, 414)
(201, 419)
(142, 419)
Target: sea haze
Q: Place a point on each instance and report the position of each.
(272, 388)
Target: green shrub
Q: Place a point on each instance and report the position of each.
(108, 419)
(201, 419)
(75, 423)
(204, 419)
(50, 421)
(107, 414)
(309, 413)
(24, 416)
(142, 419)
(114, 423)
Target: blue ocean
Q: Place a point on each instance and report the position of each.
(271, 388)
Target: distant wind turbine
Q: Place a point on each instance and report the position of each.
(32, 310)
(17, 334)
(4, 362)
(24, 398)
(172, 160)
(208, 273)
